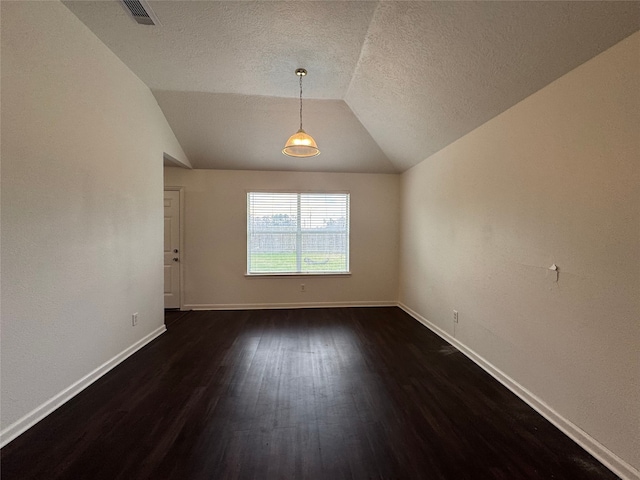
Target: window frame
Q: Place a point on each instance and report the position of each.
(299, 230)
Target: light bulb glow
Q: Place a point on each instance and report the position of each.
(301, 144)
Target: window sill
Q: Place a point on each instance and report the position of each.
(309, 274)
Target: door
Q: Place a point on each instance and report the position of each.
(172, 249)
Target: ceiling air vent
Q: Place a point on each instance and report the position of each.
(140, 11)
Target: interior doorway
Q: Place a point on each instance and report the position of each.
(173, 203)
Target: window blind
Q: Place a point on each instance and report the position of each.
(297, 233)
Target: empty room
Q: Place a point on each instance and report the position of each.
(319, 240)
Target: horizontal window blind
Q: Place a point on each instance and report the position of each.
(297, 233)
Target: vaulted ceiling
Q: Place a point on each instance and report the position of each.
(389, 83)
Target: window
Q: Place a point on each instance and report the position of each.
(297, 233)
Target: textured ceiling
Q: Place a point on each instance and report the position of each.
(389, 83)
(246, 131)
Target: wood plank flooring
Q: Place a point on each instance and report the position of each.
(349, 393)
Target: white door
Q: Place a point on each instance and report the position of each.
(172, 249)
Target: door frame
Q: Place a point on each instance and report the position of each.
(180, 190)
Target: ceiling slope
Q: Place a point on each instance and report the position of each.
(389, 83)
(431, 72)
(248, 132)
(249, 48)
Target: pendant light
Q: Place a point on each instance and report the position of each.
(301, 144)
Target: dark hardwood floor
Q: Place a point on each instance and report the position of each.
(352, 393)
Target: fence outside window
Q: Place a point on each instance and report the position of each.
(297, 233)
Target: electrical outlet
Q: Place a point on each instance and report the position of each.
(134, 319)
(455, 316)
(302, 287)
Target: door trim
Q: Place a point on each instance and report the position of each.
(180, 190)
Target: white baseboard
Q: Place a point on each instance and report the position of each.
(274, 306)
(33, 417)
(590, 444)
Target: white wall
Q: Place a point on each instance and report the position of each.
(214, 259)
(82, 150)
(555, 179)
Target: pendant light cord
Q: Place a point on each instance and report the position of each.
(300, 102)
